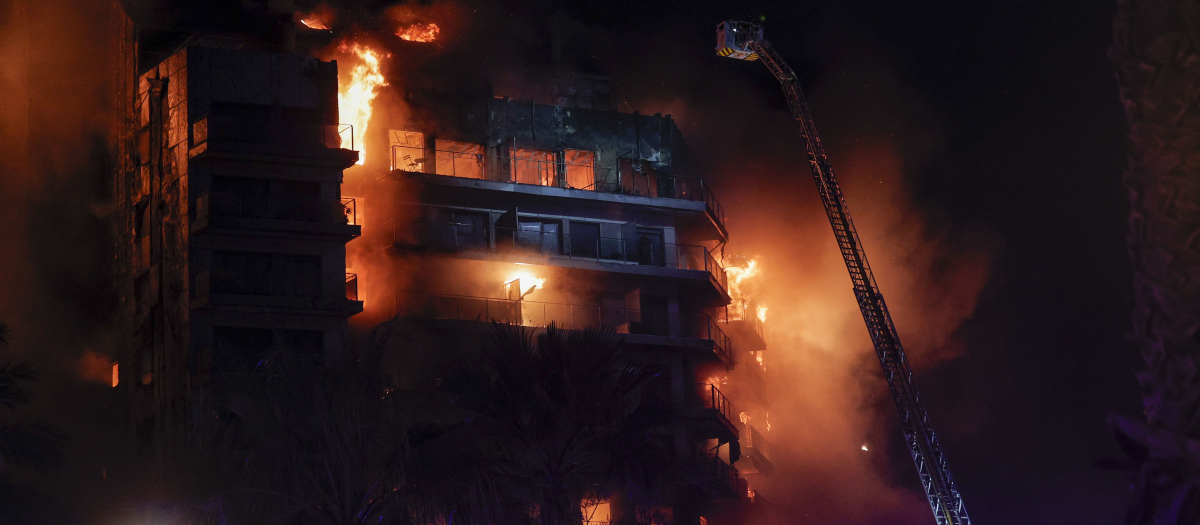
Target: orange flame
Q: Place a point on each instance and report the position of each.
(354, 101)
(738, 292)
(419, 32)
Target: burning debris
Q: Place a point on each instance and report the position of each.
(419, 32)
(321, 18)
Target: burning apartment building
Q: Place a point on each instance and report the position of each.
(247, 225)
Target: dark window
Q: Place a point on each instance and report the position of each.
(540, 236)
(239, 197)
(650, 247)
(266, 274)
(241, 273)
(308, 345)
(585, 239)
(296, 276)
(464, 230)
(240, 122)
(296, 201)
(654, 317)
(237, 348)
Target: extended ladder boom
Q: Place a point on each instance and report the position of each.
(744, 40)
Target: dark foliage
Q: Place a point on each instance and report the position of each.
(563, 417)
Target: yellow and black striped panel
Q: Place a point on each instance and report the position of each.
(753, 56)
(725, 51)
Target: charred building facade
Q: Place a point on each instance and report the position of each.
(530, 213)
(545, 206)
(232, 226)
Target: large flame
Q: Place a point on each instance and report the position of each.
(739, 291)
(320, 18)
(526, 281)
(354, 101)
(419, 32)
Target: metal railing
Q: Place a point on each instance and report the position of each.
(752, 441)
(722, 471)
(711, 397)
(308, 208)
(352, 286)
(739, 310)
(350, 210)
(532, 313)
(641, 251)
(542, 172)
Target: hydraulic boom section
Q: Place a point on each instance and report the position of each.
(744, 40)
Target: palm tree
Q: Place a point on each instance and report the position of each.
(563, 417)
(308, 442)
(26, 448)
(1156, 53)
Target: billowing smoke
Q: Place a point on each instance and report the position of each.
(828, 397)
(836, 448)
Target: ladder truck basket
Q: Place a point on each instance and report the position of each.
(736, 39)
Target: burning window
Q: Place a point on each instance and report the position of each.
(459, 159)
(580, 168)
(638, 178)
(532, 166)
(408, 150)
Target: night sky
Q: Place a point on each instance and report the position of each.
(1008, 140)
(1029, 154)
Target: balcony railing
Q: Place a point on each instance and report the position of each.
(725, 473)
(751, 440)
(740, 310)
(352, 286)
(640, 250)
(712, 398)
(307, 208)
(532, 313)
(350, 210)
(543, 172)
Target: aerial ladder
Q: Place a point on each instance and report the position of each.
(744, 41)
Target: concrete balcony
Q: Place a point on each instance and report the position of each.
(725, 477)
(278, 295)
(743, 324)
(696, 333)
(756, 453)
(531, 178)
(712, 415)
(278, 215)
(687, 263)
(273, 141)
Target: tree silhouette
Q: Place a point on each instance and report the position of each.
(27, 449)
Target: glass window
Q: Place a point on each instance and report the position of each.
(464, 230)
(408, 150)
(585, 239)
(459, 159)
(539, 236)
(580, 168)
(532, 166)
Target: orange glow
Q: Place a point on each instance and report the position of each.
(717, 380)
(740, 278)
(744, 417)
(94, 366)
(526, 282)
(320, 18)
(419, 32)
(116, 375)
(354, 100)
